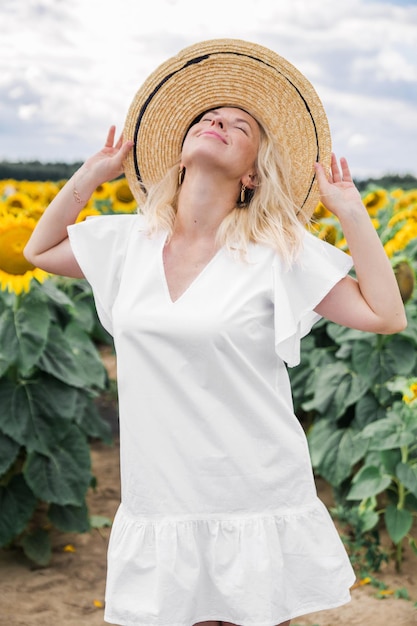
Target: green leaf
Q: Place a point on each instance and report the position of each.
(410, 502)
(368, 410)
(70, 518)
(17, 504)
(84, 314)
(303, 376)
(369, 520)
(398, 522)
(369, 481)
(408, 476)
(28, 417)
(23, 334)
(394, 356)
(387, 434)
(336, 388)
(9, 450)
(334, 451)
(4, 365)
(402, 353)
(8, 342)
(72, 357)
(299, 380)
(322, 440)
(32, 322)
(352, 447)
(55, 294)
(59, 361)
(410, 333)
(402, 594)
(342, 334)
(88, 359)
(37, 546)
(390, 460)
(63, 476)
(99, 521)
(91, 422)
(55, 398)
(413, 545)
(344, 352)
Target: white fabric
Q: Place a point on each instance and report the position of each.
(219, 518)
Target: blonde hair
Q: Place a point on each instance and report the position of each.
(270, 217)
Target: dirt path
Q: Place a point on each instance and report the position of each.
(70, 592)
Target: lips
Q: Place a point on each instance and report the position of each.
(214, 134)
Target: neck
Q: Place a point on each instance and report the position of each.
(203, 203)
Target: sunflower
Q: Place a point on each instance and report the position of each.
(16, 272)
(411, 196)
(411, 394)
(342, 244)
(36, 211)
(123, 200)
(328, 233)
(397, 193)
(406, 200)
(7, 186)
(103, 191)
(43, 192)
(87, 212)
(401, 238)
(408, 213)
(404, 273)
(4, 209)
(18, 201)
(376, 200)
(321, 212)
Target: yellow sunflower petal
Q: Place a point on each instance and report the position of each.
(16, 272)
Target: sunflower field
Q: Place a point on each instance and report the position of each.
(51, 375)
(355, 392)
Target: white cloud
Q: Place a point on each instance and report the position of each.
(27, 111)
(69, 68)
(357, 140)
(387, 65)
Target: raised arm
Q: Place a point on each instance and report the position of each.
(373, 302)
(49, 247)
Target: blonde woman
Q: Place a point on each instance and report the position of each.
(207, 292)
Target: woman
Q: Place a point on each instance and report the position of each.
(207, 293)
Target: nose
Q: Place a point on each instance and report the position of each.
(217, 121)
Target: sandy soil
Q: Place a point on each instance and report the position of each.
(70, 591)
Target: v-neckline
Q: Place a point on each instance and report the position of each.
(195, 280)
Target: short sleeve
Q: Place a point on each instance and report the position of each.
(99, 245)
(299, 289)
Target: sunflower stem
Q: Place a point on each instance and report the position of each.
(16, 302)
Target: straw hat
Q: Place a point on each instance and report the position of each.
(227, 72)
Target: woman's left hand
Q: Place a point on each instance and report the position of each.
(372, 302)
(337, 190)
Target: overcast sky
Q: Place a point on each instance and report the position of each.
(70, 68)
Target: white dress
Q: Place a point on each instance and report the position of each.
(219, 516)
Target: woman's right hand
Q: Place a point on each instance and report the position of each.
(48, 247)
(107, 164)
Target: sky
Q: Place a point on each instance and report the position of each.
(70, 68)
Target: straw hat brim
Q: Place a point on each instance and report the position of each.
(227, 72)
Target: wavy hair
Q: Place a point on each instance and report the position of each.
(269, 218)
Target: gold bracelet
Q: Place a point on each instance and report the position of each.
(75, 193)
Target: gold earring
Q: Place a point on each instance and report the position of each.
(181, 173)
(242, 194)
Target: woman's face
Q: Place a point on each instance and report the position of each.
(227, 137)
